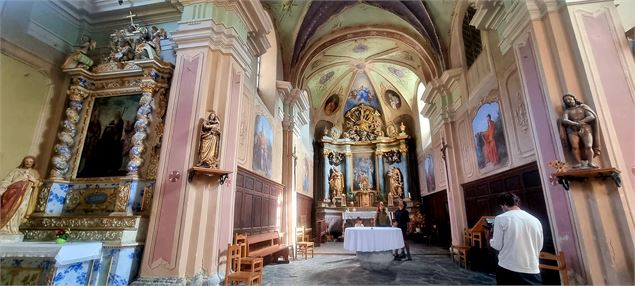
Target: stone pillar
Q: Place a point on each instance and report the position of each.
(593, 222)
(450, 155)
(349, 176)
(191, 223)
(381, 176)
(325, 160)
(606, 77)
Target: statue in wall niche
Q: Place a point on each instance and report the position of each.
(18, 191)
(402, 129)
(79, 58)
(210, 142)
(336, 182)
(580, 125)
(395, 182)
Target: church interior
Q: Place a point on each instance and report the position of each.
(200, 142)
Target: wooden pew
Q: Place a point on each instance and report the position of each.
(267, 245)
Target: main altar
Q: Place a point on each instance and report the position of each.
(362, 164)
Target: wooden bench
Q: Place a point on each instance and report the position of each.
(267, 245)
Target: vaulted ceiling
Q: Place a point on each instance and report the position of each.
(325, 45)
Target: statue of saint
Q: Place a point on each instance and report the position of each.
(336, 183)
(395, 182)
(579, 121)
(210, 142)
(79, 58)
(18, 191)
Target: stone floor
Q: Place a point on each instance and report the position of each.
(333, 265)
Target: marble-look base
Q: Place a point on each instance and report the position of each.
(379, 260)
(11, 237)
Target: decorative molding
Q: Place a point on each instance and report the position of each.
(78, 223)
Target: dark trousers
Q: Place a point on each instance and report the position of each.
(508, 277)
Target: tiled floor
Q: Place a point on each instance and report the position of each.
(332, 265)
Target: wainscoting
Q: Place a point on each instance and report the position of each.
(480, 197)
(256, 202)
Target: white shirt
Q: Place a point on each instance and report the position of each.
(518, 237)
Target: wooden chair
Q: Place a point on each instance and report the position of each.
(303, 246)
(233, 272)
(560, 266)
(246, 262)
(459, 254)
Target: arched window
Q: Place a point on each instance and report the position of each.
(471, 38)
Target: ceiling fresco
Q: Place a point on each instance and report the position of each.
(325, 45)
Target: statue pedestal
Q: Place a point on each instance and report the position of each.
(339, 201)
(11, 237)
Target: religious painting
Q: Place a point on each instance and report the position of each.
(428, 166)
(331, 104)
(263, 142)
(363, 171)
(362, 92)
(108, 138)
(393, 99)
(489, 138)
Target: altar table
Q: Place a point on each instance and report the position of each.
(48, 263)
(374, 245)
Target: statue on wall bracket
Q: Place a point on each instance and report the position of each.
(209, 142)
(579, 131)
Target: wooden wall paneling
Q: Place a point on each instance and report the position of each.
(256, 202)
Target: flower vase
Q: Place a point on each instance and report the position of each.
(60, 240)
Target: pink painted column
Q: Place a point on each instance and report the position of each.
(191, 222)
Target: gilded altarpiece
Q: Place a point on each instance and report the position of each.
(363, 164)
(105, 163)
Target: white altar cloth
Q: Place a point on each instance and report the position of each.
(371, 239)
(361, 214)
(64, 254)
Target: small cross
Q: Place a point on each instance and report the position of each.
(131, 16)
(174, 176)
(444, 146)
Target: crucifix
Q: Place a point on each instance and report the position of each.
(444, 146)
(131, 16)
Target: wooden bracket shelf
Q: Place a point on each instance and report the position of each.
(586, 174)
(222, 174)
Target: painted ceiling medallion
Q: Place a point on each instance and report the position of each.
(360, 66)
(360, 48)
(326, 77)
(396, 71)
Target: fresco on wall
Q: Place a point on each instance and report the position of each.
(108, 137)
(489, 138)
(331, 104)
(393, 99)
(363, 170)
(263, 142)
(428, 165)
(362, 92)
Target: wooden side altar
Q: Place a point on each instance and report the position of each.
(103, 171)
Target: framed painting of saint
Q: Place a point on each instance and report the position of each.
(263, 142)
(363, 171)
(393, 99)
(332, 104)
(489, 138)
(108, 137)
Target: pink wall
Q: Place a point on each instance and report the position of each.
(614, 85)
(171, 192)
(544, 134)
